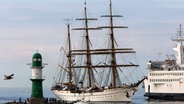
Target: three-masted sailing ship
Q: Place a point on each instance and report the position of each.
(102, 82)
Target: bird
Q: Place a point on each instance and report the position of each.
(8, 77)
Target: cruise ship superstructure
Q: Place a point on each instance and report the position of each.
(165, 79)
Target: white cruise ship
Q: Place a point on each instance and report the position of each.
(165, 79)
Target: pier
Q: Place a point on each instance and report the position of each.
(46, 101)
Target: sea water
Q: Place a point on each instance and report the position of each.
(11, 94)
(16, 94)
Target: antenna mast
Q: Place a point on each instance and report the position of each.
(179, 48)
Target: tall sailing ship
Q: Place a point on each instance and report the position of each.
(88, 80)
(166, 78)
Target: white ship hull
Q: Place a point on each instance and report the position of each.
(108, 95)
(165, 84)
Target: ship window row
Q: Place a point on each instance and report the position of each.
(162, 74)
(163, 80)
(110, 96)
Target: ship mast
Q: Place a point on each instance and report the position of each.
(109, 51)
(113, 62)
(113, 56)
(88, 54)
(69, 54)
(87, 47)
(179, 48)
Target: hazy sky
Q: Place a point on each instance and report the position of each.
(30, 25)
